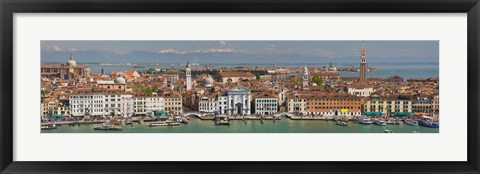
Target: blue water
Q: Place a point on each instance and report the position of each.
(405, 70)
(252, 126)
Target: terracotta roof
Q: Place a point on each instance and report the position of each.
(236, 74)
(131, 72)
(264, 95)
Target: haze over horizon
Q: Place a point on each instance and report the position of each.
(232, 52)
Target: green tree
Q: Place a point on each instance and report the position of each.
(317, 79)
(296, 82)
(148, 90)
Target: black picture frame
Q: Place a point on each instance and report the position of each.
(9, 7)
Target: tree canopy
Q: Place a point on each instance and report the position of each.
(317, 79)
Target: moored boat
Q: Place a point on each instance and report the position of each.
(185, 120)
(391, 121)
(48, 127)
(398, 121)
(164, 123)
(379, 122)
(411, 122)
(104, 126)
(427, 121)
(222, 120)
(173, 123)
(364, 120)
(342, 123)
(158, 123)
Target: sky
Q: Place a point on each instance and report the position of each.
(227, 51)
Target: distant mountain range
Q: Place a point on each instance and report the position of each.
(102, 56)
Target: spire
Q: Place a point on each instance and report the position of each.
(306, 70)
(188, 64)
(363, 49)
(71, 56)
(363, 62)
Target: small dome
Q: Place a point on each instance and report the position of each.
(208, 81)
(120, 80)
(71, 61)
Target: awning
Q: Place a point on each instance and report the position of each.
(56, 116)
(160, 112)
(373, 113)
(401, 114)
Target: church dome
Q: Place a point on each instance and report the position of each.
(120, 80)
(71, 61)
(208, 81)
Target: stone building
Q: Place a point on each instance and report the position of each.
(238, 101)
(67, 71)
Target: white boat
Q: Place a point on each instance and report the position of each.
(379, 122)
(427, 121)
(173, 123)
(364, 120)
(411, 122)
(158, 123)
(104, 126)
(342, 123)
(48, 127)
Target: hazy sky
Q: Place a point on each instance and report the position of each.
(391, 50)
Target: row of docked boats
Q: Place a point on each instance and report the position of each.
(161, 121)
(169, 121)
(424, 121)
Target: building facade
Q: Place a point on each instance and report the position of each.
(360, 90)
(208, 105)
(147, 104)
(423, 105)
(388, 106)
(238, 101)
(117, 104)
(87, 104)
(296, 103)
(222, 104)
(173, 104)
(333, 105)
(266, 104)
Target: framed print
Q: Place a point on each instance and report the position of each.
(232, 86)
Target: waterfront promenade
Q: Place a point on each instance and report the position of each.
(286, 125)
